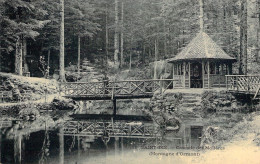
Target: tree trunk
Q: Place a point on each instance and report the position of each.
(155, 59)
(106, 36)
(165, 39)
(243, 39)
(25, 65)
(1, 59)
(19, 58)
(48, 68)
(78, 56)
(258, 31)
(62, 53)
(143, 56)
(131, 53)
(116, 37)
(122, 35)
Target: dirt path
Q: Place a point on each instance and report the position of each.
(241, 149)
(47, 99)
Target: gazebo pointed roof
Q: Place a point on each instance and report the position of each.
(202, 47)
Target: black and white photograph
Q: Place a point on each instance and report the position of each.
(129, 81)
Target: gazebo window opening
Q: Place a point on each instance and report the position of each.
(224, 71)
(176, 71)
(205, 69)
(180, 69)
(212, 68)
(217, 68)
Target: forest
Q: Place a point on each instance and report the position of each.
(46, 36)
(79, 82)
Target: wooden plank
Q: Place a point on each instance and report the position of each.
(189, 75)
(184, 74)
(108, 117)
(203, 74)
(208, 74)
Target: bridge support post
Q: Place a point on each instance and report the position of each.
(61, 141)
(18, 149)
(116, 145)
(78, 147)
(122, 144)
(1, 145)
(114, 106)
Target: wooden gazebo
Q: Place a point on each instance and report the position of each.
(202, 64)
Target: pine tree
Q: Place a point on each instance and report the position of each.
(20, 20)
(116, 36)
(62, 45)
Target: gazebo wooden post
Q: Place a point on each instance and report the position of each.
(173, 70)
(208, 75)
(218, 74)
(189, 74)
(215, 64)
(177, 68)
(222, 72)
(184, 74)
(203, 74)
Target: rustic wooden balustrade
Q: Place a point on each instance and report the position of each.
(119, 89)
(116, 128)
(243, 83)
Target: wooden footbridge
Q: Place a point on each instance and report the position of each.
(244, 84)
(102, 125)
(107, 90)
(113, 90)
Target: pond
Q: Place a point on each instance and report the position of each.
(44, 147)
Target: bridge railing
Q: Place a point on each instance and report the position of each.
(111, 128)
(110, 88)
(243, 83)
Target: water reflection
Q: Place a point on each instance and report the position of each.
(79, 149)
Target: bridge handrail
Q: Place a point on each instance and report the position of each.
(242, 83)
(244, 75)
(145, 80)
(125, 87)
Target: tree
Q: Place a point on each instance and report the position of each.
(62, 51)
(122, 35)
(243, 38)
(116, 36)
(21, 19)
(81, 17)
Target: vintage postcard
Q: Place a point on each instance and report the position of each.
(130, 81)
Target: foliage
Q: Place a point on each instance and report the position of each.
(64, 104)
(213, 100)
(163, 112)
(152, 30)
(220, 131)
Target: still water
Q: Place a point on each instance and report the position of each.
(42, 147)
